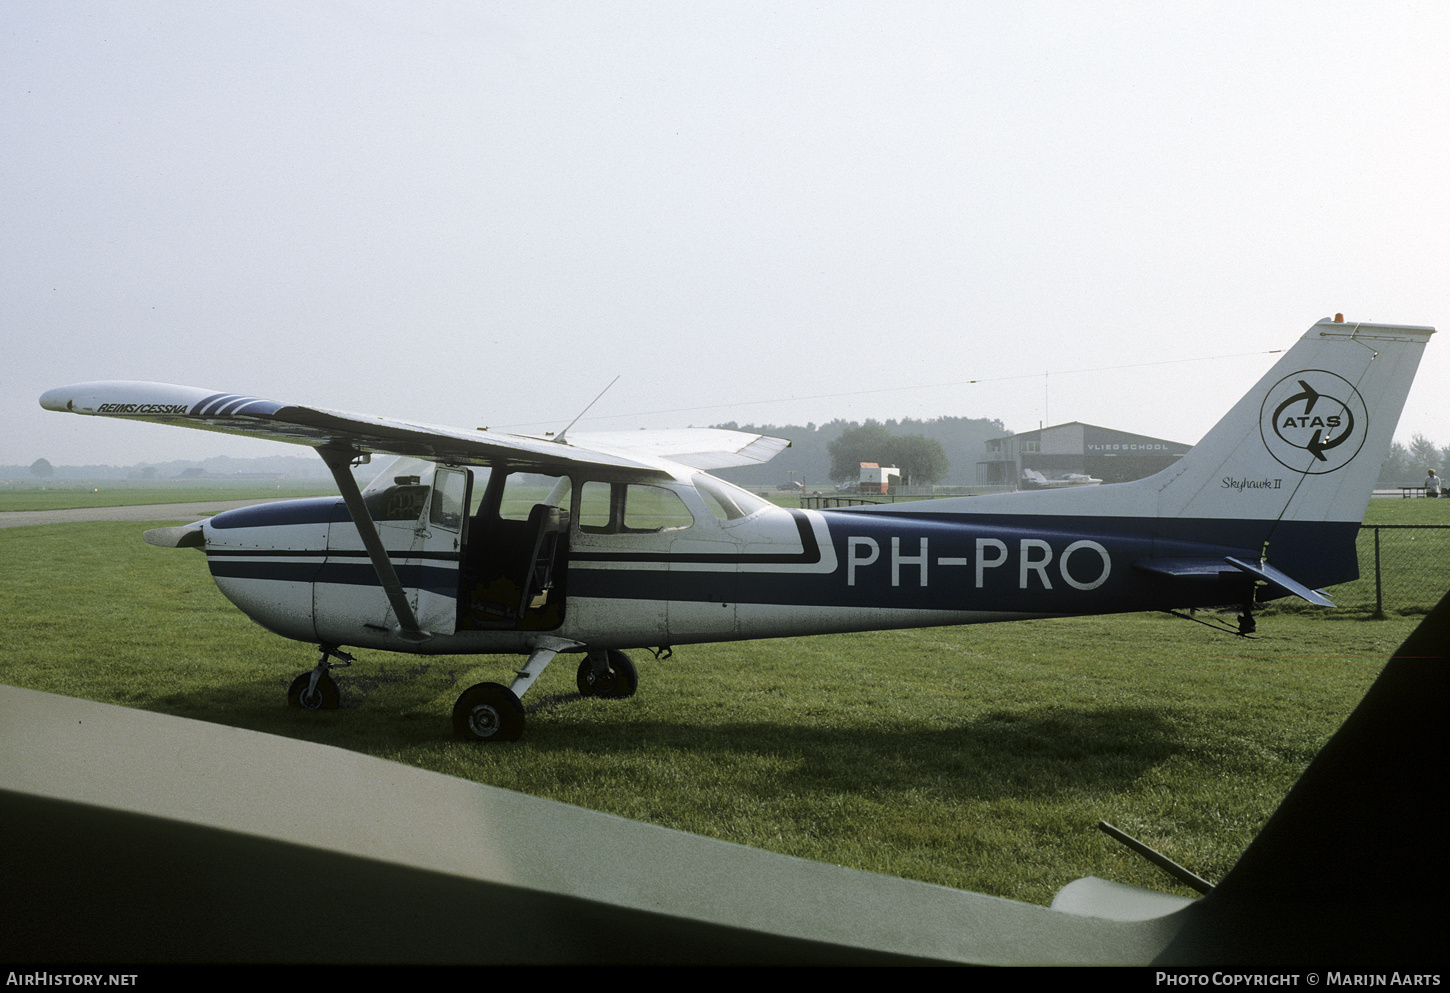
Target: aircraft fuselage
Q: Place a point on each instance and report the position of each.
(298, 568)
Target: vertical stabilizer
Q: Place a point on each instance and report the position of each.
(1303, 447)
(1306, 443)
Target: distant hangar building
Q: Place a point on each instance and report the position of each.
(1078, 449)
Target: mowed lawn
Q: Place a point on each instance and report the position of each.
(977, 757)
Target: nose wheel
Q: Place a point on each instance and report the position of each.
(304, 695)
(315, 690)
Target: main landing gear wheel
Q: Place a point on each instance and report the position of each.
(620, 680)
(488, 712)
(322, 698)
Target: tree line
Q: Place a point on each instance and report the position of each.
(922, 460)
(1408, 465)
(928, 451)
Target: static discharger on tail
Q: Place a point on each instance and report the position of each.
(476, 542)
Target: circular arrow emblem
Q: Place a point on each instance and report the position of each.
(1313, 421)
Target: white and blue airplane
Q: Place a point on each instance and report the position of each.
(476, 542)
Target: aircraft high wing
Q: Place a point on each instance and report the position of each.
(477, 542)
(359, 434)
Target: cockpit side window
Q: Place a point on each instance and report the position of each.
(482, 475)
(450, 489)
(522, 490)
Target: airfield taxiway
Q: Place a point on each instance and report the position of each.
(146, 512)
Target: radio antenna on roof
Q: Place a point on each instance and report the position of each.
(560, 436)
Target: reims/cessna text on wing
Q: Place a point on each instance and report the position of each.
(484, 543)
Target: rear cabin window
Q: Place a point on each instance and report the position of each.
(595, 511)
(654, 508)
(630, 508)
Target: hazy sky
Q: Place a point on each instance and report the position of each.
(479, 213)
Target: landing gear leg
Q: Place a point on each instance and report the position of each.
(1247, 624)
(315, 690)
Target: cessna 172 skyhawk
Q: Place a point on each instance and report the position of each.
(476, 542)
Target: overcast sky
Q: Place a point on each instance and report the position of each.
(479, 213)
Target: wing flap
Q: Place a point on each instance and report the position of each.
(699, 448)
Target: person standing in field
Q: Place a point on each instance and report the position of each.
(1432, 484)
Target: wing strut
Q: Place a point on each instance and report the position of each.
(338, 462)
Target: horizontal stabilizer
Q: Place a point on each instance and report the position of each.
(1214, 569)
(1276, 577)
(1208, 568)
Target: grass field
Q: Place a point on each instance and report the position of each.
(975, 757)
(1389, 510)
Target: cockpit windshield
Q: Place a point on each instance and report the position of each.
(400, 491)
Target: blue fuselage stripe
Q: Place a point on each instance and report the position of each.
(1012, 563)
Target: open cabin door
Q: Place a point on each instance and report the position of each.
(515, 564)
(420, 512)
(438, 550)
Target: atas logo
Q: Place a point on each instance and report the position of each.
(1313, 421)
